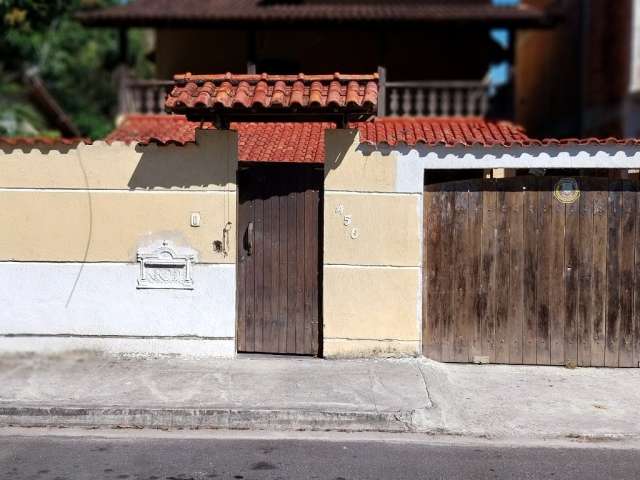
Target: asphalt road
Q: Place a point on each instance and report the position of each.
(54, 457)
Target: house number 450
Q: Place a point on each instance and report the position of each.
(347, 220)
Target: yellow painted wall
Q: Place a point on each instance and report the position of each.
(370, 302)
(44, 225)
(100, 203)
(372, 255)
(381, 230)
(348, 169)
(208, 164)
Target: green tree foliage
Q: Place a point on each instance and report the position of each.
(76, 63)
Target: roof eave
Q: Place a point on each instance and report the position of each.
(532, 19)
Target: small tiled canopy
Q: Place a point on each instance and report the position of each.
(241, 98)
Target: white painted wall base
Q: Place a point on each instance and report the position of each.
(120, 345)
(53, 307)
(102, 299)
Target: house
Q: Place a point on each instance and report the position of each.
(582, 72)
(348, 36)
(212, 233)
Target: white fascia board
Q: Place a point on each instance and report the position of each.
(412, 161)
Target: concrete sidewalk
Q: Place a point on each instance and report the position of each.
(284, 393)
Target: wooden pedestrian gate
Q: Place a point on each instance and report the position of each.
(528, 270)
(279, 259)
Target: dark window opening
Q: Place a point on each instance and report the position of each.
(441, 176)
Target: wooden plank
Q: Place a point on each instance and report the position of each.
(543, 272)
(585, 272)
(614, 244)
(258, 262)
(275, 320)
(310, 266)
(268, 345)
(515, 202)
(300, 262)
(571, 291)
(243, 214)
(474, 281)
(283, 286)
(486, 301)
(628, 230)
(502, 273)
(316, 258)
(600, 246)
(431, 334)
(460, 271)
(556, 282)
(531, 265)
(292, 260)
(249, 287)
(636, 289)
(446, 275)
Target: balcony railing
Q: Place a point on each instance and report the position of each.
(397, 99)
(434, 99)
(142, 96)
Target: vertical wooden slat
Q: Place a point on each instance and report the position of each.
(502, 273)
(243, 215)
(316, 258)
(446, 275)
(284, 271)
(300, 266)
(614, 245)
(250, 285)
(585, 272)
(486, 310)
(292, 259)
(276, 317)
(636, 288)
(258, 259)
(460, 272)
(431, 336)
(543, 272)
(600, 246)
(629, 208)
(531, 264)
(571, 272)
(474, 281)
(515, 328)
(309, 267)
(556, 281)
(268, 290)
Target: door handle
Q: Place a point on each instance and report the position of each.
(249, 244)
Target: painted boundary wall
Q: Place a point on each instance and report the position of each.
(71, 224)
(372, 257)
(373, 230)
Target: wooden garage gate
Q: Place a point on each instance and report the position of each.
(516, 275)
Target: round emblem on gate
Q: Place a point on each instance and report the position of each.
(566, 190)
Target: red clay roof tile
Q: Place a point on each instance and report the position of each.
(304, 142)
(40, 140)
(198, 94)
(257, 142)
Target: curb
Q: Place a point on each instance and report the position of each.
(210, 418)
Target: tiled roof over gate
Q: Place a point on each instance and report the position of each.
(273, 93)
